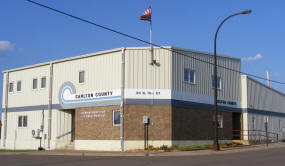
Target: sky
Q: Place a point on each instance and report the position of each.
(30, 34)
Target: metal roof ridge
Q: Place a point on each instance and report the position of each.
(264, 85)
(105, 52)
(65, 59)
(206, 53)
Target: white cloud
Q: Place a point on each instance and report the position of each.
(252, 58)
(5, 46)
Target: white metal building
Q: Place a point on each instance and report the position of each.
(97, 101)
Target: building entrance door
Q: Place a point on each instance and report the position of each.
(65, 125)
(236, 121)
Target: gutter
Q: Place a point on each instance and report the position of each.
(6, 109)
(122, 100)
(50, 104)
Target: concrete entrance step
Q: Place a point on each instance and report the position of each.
(244, 142)
(70, 146)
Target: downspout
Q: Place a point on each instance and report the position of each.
(6, 109)
(50, 103)
(122, 100)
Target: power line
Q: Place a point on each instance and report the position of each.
(143, 41)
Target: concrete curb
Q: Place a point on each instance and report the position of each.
(151, 154)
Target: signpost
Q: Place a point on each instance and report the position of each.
(266, 129)
(145, 121)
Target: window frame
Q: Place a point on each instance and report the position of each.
(218, 82)
(9, 87)
(119, 111)
(84, 78)
(25, 124)
(33, 83)
(253, 121)
(42, 82)
(189, 76)
(22, 121)
(18, 86)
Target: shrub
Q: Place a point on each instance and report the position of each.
(164, 147)
(150, 147)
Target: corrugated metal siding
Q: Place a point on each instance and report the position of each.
(102, 72)
(28, 96)
(272, 126)
(230, 81)
(141, 75)
(263, 98)
(21, 137)
(64, 124)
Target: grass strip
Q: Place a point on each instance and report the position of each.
(192, 147)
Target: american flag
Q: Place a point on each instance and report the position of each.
(146, 15)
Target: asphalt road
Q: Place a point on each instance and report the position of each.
(267, 157)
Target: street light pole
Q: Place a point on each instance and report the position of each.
(216, 143)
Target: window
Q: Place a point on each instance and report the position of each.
(19, 86)
(116, 118)
(22, 121)
(189, 76)
(35, 83)
(280, 125)
(43, 82)
(11, 87)
(253, 122)
(81, 77)
(218, 82)
(220, 121)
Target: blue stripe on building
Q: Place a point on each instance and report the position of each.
(179, 103)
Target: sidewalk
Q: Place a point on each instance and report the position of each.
(176, 153)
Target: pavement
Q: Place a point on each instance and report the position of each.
(175, 153)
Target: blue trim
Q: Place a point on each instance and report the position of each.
(179, 103)
(148, 101)
(56, 106)
(267, 113)
(92, 104)
(91, 99)
(70, 91)
(84, 100)
(31, 108)
(182, 103)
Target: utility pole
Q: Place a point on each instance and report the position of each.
(268, 80)
(216, 142)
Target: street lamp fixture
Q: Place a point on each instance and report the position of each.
(216, 146)
(246, 12)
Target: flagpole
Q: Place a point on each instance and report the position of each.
(146, 16)
(150, 38)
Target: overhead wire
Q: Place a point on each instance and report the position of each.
(143, 41)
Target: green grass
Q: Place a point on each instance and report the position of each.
(192, 147)
(24, 150)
